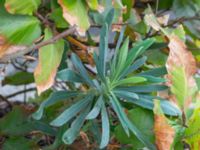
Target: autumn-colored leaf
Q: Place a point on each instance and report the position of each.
(49, 60)
(181, 67)
(75, 13)
(164, 133)
(7, 49)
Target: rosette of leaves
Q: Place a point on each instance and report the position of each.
(117, 81)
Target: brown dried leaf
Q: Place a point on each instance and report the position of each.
(164, 133)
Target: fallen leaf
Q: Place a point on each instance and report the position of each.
(75, 13)
(164, 133)
(49, 59)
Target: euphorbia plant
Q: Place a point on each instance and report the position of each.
(117, 81)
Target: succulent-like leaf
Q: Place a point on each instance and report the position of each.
(72, 111)
(54, 98)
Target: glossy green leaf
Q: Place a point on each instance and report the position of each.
(54, 98)
(22, 7)
(46, 70)
(19, 29)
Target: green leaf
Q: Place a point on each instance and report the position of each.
(138, 49)
(155, 72)
(121, 114)
(192, 132)
(70, 135)
(96, 109)
(72, 111)
(144, 121)
(129, 80)
(119, 111)
(54, 98)
(57, 17)
(147, 102)
(19, 78)
(180, 86)
(69, 75)
(153, 79)
(122, 57)
(75, 13)
(19, 29)
(93, 4)
(15, 143)
(26, 7)
(144, 88)
(80, 68)
(137, 64)
(46, 70)
(105, 127)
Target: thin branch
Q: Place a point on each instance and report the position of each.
(20, 92)
(39, 45)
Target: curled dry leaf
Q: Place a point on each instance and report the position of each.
(181, 67)
(164, 133)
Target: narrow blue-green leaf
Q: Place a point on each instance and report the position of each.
(155, 72)
(121, 58)
(137, 64)
(54, 98)
(114, 62)
(122, 93)
(119, 111)
(138, 49)
(69, 75)
(71, 112)
(105, 127)
(129, 80)
(147, 101)
(143, 88)
(109, 18)
(103, 48)
(80, 68)
(70, 135)
(96, 109)
(153, 79)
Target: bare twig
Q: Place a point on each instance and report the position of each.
(20, 92)
(39, 45)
